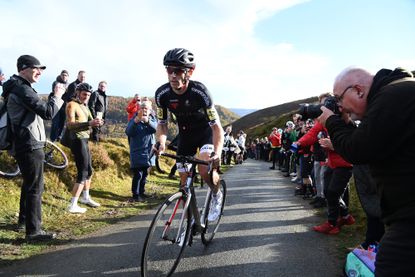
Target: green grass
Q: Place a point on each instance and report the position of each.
(111, 186)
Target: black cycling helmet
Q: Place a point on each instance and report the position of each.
(179, 57)
(84, 87)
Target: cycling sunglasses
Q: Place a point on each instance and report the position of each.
(176, 70)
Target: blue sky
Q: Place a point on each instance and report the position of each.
(250, 54)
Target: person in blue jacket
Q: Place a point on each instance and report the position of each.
(140, 130)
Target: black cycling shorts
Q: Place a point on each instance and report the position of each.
(83, 161)
(190, 142)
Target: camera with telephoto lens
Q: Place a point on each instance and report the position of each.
(314, 111)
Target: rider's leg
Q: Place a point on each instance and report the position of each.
(203, 171)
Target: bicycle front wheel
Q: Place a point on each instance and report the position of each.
(8, 165)
(212, 226)
(166, 238)
(54, 156)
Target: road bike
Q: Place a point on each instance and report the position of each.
(54, 157)
(176, 222)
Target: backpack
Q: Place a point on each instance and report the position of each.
(6, 132)
(5, 129)
(360, 263)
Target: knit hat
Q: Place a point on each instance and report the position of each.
(65, 71)
(27, 61)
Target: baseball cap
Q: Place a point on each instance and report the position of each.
(27, 61)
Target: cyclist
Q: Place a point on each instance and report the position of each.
(199, 125)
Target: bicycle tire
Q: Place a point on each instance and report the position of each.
(54, 156)
(211, 227)
(162, 251)
(8, 165)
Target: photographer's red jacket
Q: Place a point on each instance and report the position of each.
(309, 138)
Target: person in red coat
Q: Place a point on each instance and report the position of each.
(275, 140)
(336, 179)
(133, 106)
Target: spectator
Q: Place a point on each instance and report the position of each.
(133, 106)
(384, 101)
(79, 119)
(140, 130)
(98, 105)
(27, 111)
(2, 78)
(71, 91)
(275, 139)
(58, 121)
(61, 78)
(226, 142)
(304, 156)
(241, 144)
(336, 178)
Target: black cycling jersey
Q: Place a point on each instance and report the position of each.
(194, 109)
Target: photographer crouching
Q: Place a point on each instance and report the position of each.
(385, 104)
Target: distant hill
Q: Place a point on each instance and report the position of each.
(116, 119)
(242, 112)
(117, 116)
(260, 123)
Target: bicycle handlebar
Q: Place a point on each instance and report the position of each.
(186, 159)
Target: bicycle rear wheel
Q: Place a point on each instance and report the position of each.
(212, 226)
(8, 165)
(54, 156)
(166, 239)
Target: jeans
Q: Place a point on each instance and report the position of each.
(31, 167)
(337, 192)
(139, 180)
(319, 178)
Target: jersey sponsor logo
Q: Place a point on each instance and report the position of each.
(160, 113)
(212, 114)
(205, 97)
(173, 104)
(160, 93)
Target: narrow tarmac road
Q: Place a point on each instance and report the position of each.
(266, 231)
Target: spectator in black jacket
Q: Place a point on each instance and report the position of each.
(58, 121)
(71, 91)
(27, 111)
(98, 105)
(385, 104)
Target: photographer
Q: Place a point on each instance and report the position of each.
(385, 101)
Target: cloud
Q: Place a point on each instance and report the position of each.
(124, 42)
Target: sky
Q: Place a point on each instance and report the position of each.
(249, 54)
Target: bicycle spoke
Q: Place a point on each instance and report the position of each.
(166, 239)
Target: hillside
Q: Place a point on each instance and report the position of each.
(260, 123)
(116, 120)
